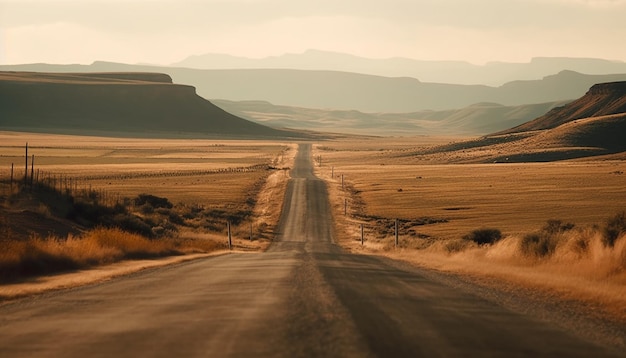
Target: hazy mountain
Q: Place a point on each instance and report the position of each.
(145, 104)
(352, 91)
(481, 118)
(458, 72)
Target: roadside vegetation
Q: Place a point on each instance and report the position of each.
(555, 229)
(144, 227)
(101, 201)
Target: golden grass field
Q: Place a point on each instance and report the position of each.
(515, 198)
(176, 169)
(222, 176)
(455, 199)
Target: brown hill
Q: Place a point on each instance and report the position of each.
(582, 138)
(592, 126)
(145, 104)
(601, 99)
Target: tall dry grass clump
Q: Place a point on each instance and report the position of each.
(596, 253)
(37, 256)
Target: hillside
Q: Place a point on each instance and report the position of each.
(592, 126)
(601, 99)
(353, 91)
(477, 119)
(143, 104)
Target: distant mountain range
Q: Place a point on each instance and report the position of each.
(457, 72)
(352, 91)
(140, 104)
(151, 105)
(477, 119)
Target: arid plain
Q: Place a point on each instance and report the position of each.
(549, 216)
(205, 184)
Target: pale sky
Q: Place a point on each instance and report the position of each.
(167, 31)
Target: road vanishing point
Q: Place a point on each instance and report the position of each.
(304, 297)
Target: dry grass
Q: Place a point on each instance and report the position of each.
(38, 256)
(514, 198)
(441, 204)
(189, 171)
(208, 181)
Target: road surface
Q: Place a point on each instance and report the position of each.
(304, 297)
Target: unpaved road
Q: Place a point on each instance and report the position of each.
(304, 297)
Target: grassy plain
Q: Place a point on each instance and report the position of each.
(515, 198)
(206, 172)
(438, 205)
(207, 181)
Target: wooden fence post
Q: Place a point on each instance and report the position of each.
(362, 235)
(26, 166)
(230, 239)
(396, 232)
(32, 170)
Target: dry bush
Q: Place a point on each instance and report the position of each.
(545, 242)
(615, 226)
(484, 236)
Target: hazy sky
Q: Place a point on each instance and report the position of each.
(167, 31)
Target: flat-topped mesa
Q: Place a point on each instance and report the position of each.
(610, 88)
(116, 102)
(134, 76)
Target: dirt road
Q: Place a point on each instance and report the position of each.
(304, 297)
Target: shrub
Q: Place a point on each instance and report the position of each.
(154, 201)
(544, 242)
(90, 212)
(538, 244)
(614, 227)
(176, 219)
(484, 236)
(553, 227)
(132, 223)
(146, 209)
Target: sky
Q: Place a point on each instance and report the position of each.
(168, 31)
